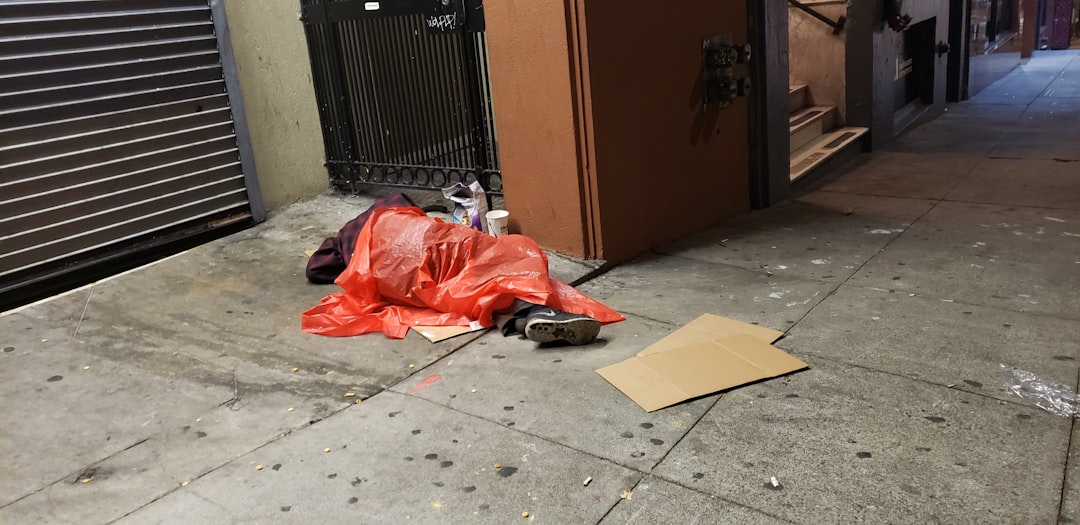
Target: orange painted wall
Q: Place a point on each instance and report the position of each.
(605, 145)
(664, 166)
(537, 124)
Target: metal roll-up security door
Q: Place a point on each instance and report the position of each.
(118, 132)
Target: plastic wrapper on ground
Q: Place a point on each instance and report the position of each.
(1056, 398)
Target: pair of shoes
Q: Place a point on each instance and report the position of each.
(547, 325)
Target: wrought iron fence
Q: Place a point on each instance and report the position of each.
(404, 92)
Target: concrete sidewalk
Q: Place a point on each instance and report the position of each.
(184, 392)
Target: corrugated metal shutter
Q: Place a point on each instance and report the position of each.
(116, 130)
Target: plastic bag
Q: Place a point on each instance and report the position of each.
(1056, 398)
(409, 269)
(470, 204)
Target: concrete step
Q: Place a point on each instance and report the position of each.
(827, 145)
(809, 123)
(797, 97)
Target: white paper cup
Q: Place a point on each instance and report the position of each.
(497, 222)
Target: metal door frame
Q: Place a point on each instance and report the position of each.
(236, 104)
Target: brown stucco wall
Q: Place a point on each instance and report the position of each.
(606, 148)
(664, 166)
(533, 92)
(275, 80)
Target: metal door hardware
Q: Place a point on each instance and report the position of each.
(942, 48)
(837, 26)
(720, 56)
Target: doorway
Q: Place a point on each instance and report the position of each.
(817, 76)
(956, 81)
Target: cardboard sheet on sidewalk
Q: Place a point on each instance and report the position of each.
(709, 354)
(437, 334)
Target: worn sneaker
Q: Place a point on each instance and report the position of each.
(547, 325)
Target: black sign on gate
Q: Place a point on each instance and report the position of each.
(404, 92)
(449, 16)
(446, 17)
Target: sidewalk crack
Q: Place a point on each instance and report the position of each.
(233, 403)
(76, 475)
(1068, 457)
(82, 316)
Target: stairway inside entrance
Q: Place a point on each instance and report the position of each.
(815, 134)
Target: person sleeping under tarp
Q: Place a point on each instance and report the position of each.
(399, 268)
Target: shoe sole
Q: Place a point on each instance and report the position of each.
(573, 331)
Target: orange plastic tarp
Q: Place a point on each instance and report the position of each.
(409, 269)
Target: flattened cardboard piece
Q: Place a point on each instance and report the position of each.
(708, 355)
(710, 327)
(437, 334)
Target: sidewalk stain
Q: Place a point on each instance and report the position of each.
(425, 383)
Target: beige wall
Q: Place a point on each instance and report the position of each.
(282, 117)
(817, 56)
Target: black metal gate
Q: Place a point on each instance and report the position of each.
(403, 91)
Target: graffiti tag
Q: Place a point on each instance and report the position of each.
(442, 22)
